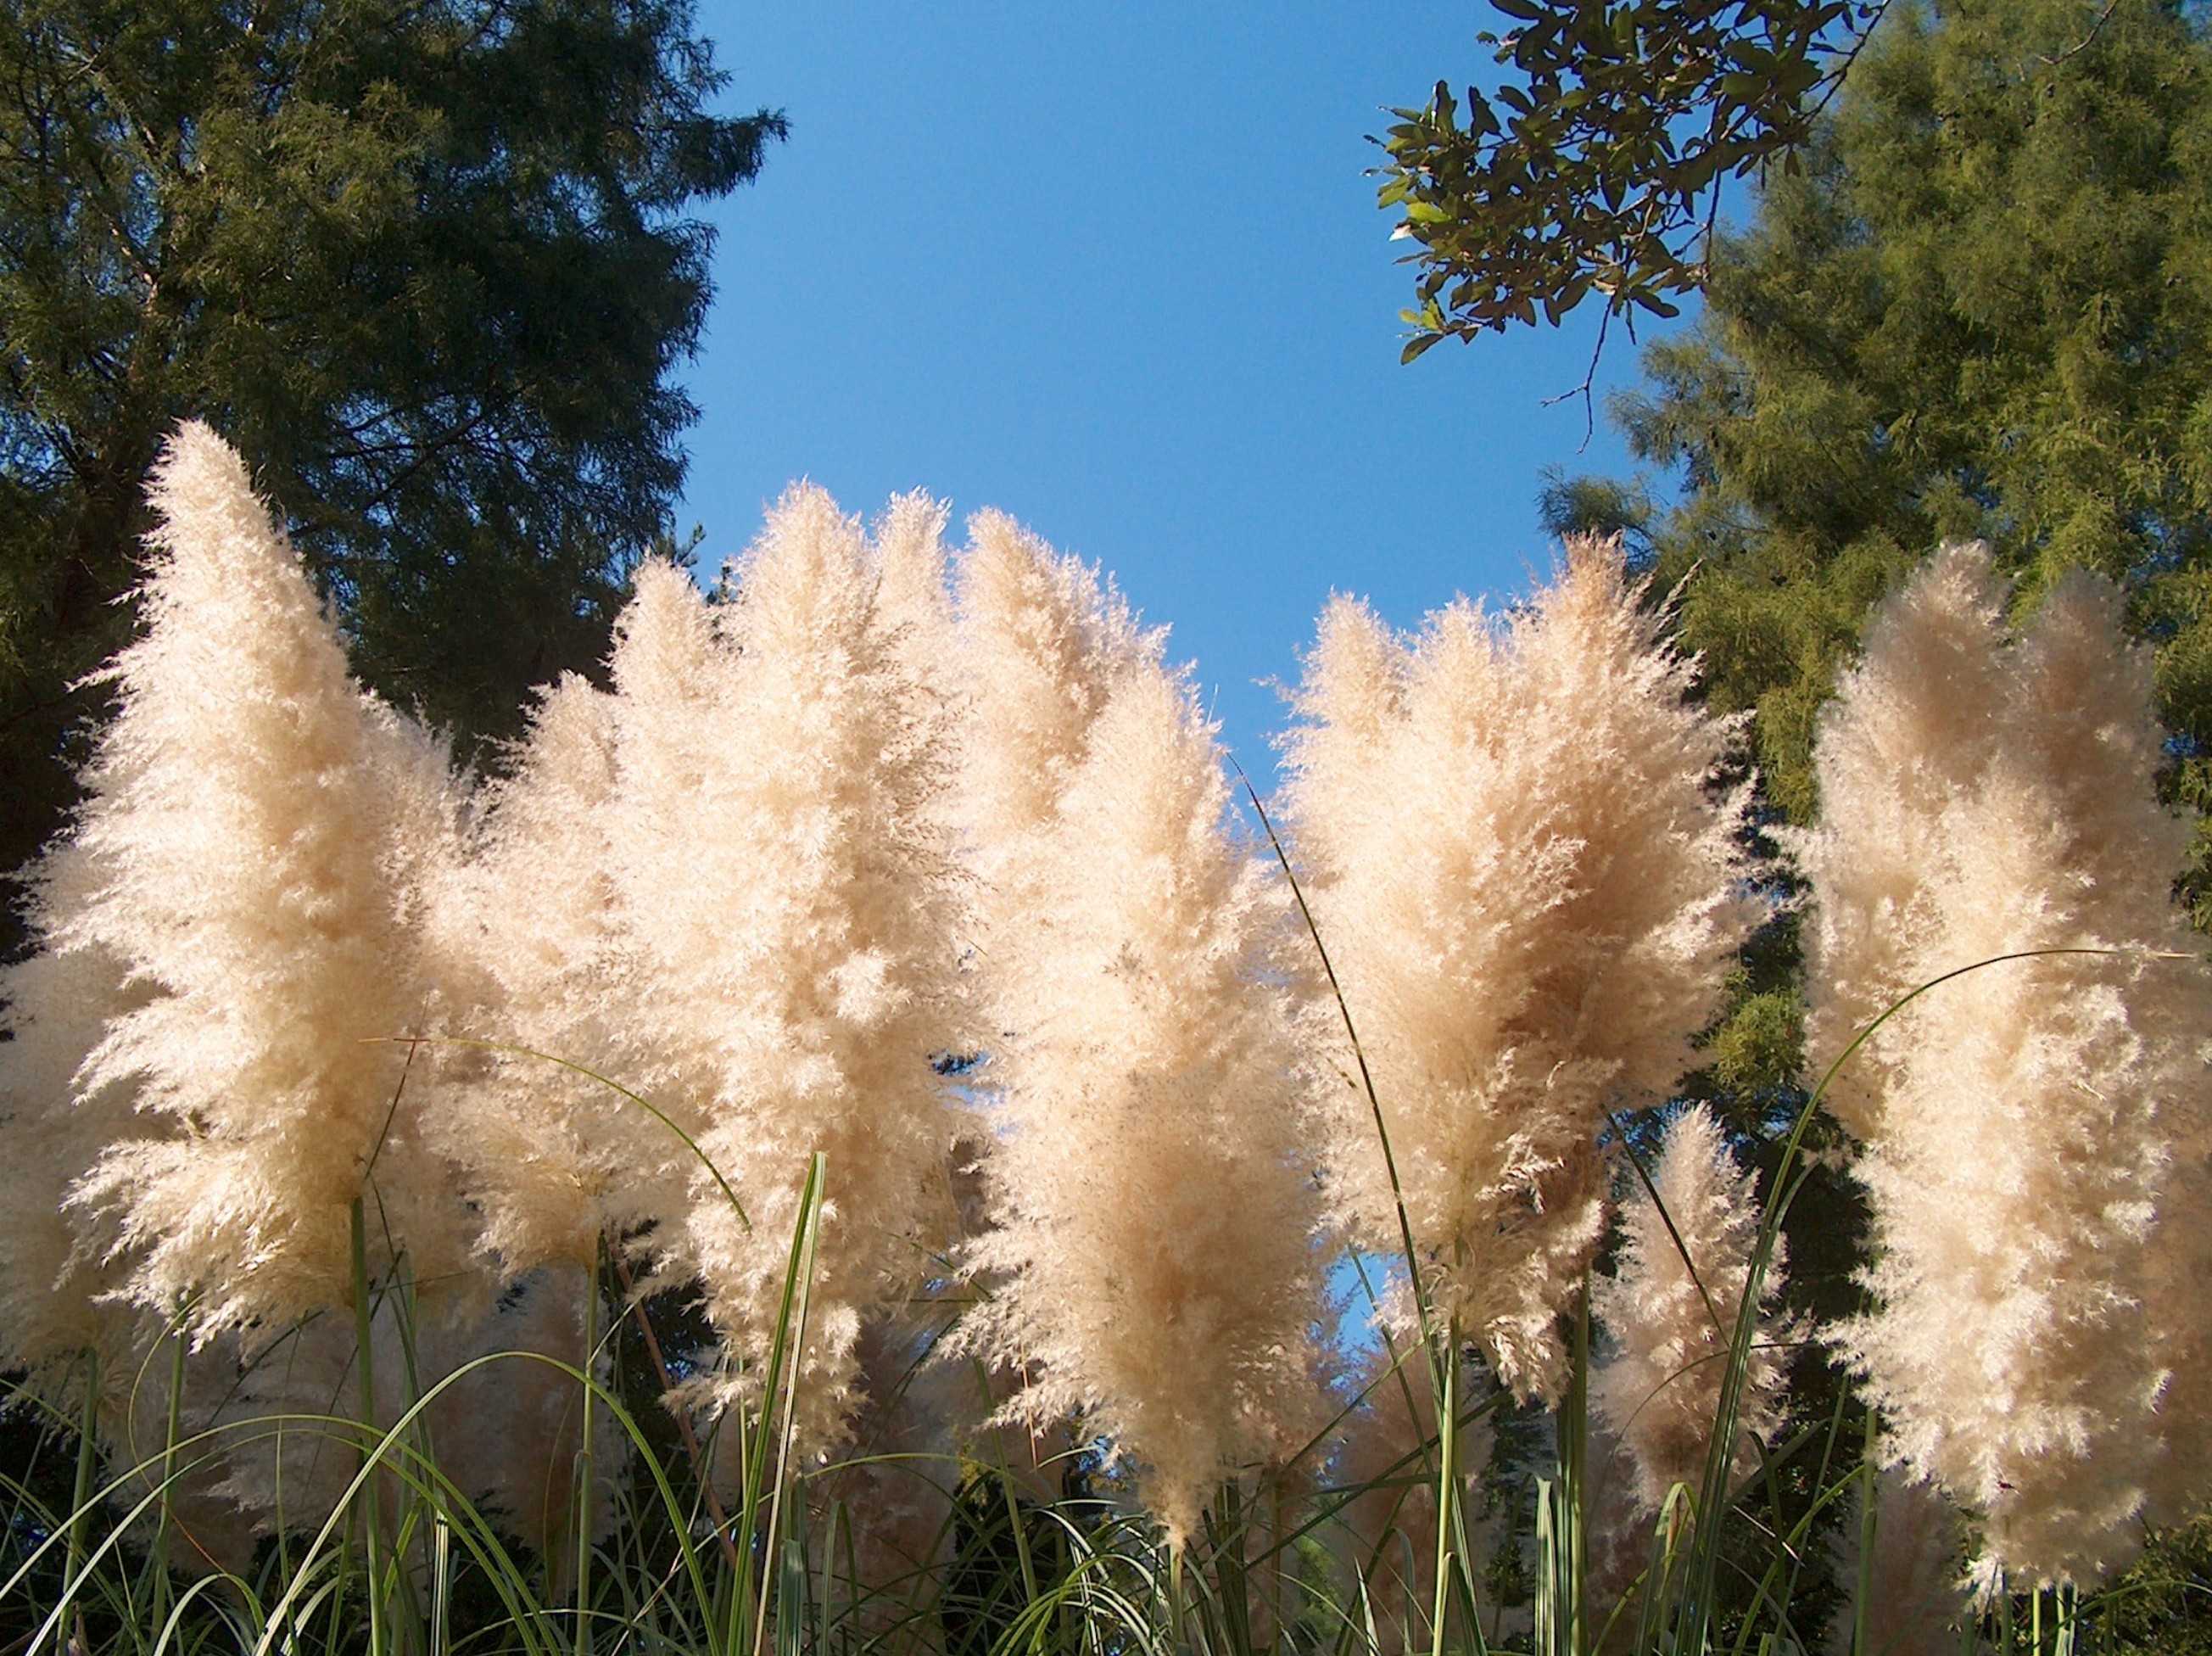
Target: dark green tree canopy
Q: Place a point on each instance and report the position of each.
(429, 262)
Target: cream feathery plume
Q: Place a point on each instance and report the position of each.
(60, 1271)
(282, 1422)
(1923, 725)
(914, 600)
(1531, 897)
(788, 892)
(885, 1503)
(263, 826)
(552, 1159)
(209, 1528)
(1043, 644)
(2035, 1134)
(1152, 1258)
(509, 1431)
(1659, 1390)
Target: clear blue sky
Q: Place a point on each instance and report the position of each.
(1118, 271)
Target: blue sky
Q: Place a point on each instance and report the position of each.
(1118, 271)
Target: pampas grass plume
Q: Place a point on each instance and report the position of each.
(1659, 1391)
(2033, 1134)
(263, 828)
(1043, 642)
(1530, 895)
(1917, 1599)
(1152, 1256)
(55, 1004)
(784, 884)
(1385, 1535)
(552, 1159)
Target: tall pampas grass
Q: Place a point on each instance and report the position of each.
(262, 828)
(1151, 1255)
(1671, 1310)
(1908, 1594)
(942, 899)
(2033, 1136)
(784, 887)
(1530, 893)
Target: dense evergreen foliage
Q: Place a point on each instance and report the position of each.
(429, 264)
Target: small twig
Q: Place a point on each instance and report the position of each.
(1589, 379)
(2095, 29)
(1833, 80)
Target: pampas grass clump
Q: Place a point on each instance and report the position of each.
(882, 969)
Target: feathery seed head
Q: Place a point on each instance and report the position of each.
(552, 1160)
(1042, 643)
(781, 879)
(56, 1269)
(1387, 1534)
(1153, 1253)
(1531, 897)
(914, 598)
(1916, 1595)
(1659, 1391)
(2033, 1137)
(263, 829)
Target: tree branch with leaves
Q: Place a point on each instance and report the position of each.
(1597, 166)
